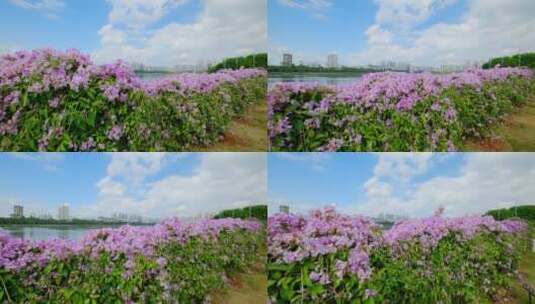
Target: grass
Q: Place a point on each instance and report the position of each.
(527, 270)
(245, 134)
(516, 294)
(516, 133)
(246, 288)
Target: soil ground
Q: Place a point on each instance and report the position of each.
(248, 133)
(516, 133)
(245, 288)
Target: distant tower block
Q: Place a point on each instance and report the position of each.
(63, 213)
(332, 61)
(284, 209)
(18, 211)
(287, 59)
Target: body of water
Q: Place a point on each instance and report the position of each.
(47, 232)
(325, 79)
(152, 76)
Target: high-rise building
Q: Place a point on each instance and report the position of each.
(63, 213)
(287, 59)
(18, 211)
(120, 217)
(332, 61)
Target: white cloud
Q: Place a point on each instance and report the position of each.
(316, 160)
(404, 14)
(108, 187)
(485, 181)
(376, 35)
(223, 28)
(401, 166)
(139, 14)
(49, 161)
(135, 167)
(220, 181)
(48, 7)
(417, 184)
(317, 8)
(487, 29)
(377, 189)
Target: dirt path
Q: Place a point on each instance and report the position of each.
(246, 288)
(516, 133)
(248, 133)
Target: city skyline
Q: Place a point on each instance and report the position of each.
(63, 214)
(332, 59)
(400, 184)
(155, 185)
(429, 33)
(157, 33)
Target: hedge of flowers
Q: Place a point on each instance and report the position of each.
(395, 111)
(61, 101)
(328, 257)
(172, 262)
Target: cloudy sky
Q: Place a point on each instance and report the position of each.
(423, 32)
(155, 32)
(405, 184)
(148, 184)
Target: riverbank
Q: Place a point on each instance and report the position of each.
(316, 74)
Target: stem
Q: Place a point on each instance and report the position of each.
(5, 288)
(302, 289)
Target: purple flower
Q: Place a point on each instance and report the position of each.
(115, 133)
(88, 145)
(54, 102)
(162, 262)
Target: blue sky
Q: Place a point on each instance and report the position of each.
(431, 32)
(404, 184)
(150, 184)
(156, 32)
(76, 26)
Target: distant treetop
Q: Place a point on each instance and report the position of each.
(518, 60)
(251, 61)
(526, 212)
(256, 211)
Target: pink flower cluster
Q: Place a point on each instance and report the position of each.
(365, 115)
(47, 70)
(186, 84)
(128, 241)
(429, 231)
(390, 90)
(294, 238)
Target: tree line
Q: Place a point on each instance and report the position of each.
(518, 60)
(256, 211)
(234, 63)
(39, 221)
(316, 69)
(526, 212)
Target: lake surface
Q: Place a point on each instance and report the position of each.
(152, 76)
(46, 232)
(325, 79)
